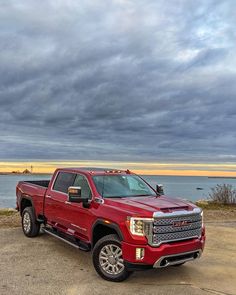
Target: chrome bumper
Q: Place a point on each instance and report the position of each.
(169, 260)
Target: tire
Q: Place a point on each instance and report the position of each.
(30, 226)
(109, 267)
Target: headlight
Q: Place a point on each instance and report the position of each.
(137, 225)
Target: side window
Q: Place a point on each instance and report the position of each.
(63, 181)
(81, 181)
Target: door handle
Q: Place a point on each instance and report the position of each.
(48, 196)
(66, 202)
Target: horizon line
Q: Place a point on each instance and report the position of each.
(143, 168)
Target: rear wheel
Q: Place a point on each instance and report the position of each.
(108, 260)
(30, 226)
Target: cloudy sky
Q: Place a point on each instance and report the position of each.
(117, 80)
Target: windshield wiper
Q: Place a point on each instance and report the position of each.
(129, 196)
(139, 195)
(114, 197)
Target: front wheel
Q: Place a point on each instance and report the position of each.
(30, 226)
(108, 260)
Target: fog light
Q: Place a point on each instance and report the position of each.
(139, 253)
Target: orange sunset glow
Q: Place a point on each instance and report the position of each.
(188, 169)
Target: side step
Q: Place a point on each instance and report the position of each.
(67, 239)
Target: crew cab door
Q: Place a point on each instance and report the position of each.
(80, 215)
(56, 200)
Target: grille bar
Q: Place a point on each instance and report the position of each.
(169, 221)
(171, 229)
(177, 236)
(174, 227)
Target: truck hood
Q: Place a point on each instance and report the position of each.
(145, 205)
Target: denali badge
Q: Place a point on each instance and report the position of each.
(181, 223)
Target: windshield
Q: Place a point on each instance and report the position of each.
(114, 186)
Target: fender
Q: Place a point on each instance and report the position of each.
(27, 197)
(110, 225)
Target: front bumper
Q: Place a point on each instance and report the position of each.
(164, 255)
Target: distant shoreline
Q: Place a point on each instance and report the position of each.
(20, 173)
(226, 177)
(50, 173)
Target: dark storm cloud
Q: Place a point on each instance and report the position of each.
(118, 80)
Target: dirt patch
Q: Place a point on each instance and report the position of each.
(217, 212)
(219, 215)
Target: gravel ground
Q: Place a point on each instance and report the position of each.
(45, 265)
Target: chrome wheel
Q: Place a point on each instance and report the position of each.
(110, 259)
(26, 222)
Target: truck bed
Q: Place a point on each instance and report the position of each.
(44, 183)
(35, 190)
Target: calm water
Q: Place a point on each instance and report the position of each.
(177, 186)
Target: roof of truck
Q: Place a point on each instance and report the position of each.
(96, 170)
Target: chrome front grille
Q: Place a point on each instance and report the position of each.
(169, 228)
(176, 226)
(193, 217)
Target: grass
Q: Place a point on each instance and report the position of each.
(207, 205)
(7, 212)
(215, 206)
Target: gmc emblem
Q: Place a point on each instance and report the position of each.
(181, 223)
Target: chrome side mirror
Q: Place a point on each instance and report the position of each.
(160, 189)
(74, 194)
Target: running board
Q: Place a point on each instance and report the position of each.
(72, 242)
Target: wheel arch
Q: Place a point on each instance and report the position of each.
(26, 201)
(101, 229)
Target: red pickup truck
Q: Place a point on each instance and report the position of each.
(125, 222)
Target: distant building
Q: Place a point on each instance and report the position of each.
(26, 171)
